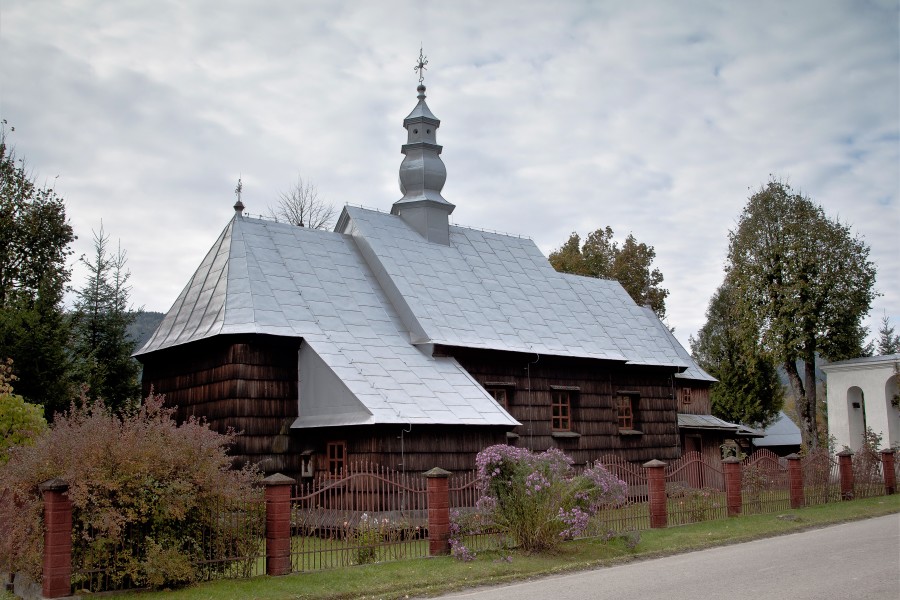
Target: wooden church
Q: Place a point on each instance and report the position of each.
(412, 343)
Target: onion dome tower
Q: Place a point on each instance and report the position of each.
(422, 172)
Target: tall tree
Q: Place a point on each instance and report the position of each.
(302, 206)
(888, 342)
(727, 347)
(806, 282)
(101, 319)
(631, 265)
(35, 239)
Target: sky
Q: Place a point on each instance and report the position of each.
(656, 118)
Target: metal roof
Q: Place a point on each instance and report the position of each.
(370, 304)
(494, 291)
(709, 422)
(783, 432)
(693, 372)
(279, 279)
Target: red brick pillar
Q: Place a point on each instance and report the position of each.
(887, 466)
(733, 498)
(795, 477)
(845, 465)
(438, 511)
(656, 488)
(57, 580)
(278, 524)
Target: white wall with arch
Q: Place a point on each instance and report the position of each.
(860, 394)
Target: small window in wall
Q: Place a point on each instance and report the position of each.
(336, 453)
(501, 395)
(561, 402)
(627, 415)
(686, 396)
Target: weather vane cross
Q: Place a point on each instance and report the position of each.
(420, 67)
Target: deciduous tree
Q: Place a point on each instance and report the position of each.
(302, 206)
(629, 264)
(806, 282)
(35, 239)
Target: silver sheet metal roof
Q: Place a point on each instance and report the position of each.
(370, 303)
(693, 372)
(783, 432)
(495, 291)
(272, 278)
(711, 423)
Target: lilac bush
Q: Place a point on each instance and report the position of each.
(537, 499)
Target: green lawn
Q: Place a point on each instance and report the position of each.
(435, 575)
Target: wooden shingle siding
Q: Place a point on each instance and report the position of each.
(593, 408)
(247, 383)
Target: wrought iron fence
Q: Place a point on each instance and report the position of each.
(469, 519)
(821, 479)
(368, 514)
(694, 489)
(224, 538)
(765, 483)
(868, 474)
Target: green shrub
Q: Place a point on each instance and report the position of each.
(151, 499)
(20, 422)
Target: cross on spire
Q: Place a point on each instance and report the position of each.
(420, 67)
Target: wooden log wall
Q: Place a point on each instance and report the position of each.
(700, 402)
(416, 448)
(247, 383)
(593, 409)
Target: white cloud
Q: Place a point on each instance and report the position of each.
(655, 118)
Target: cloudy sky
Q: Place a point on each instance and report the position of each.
(655, 118)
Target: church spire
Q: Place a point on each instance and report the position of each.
(422, 172)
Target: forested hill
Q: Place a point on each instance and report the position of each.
(144, 326)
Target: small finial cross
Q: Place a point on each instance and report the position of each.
(420, 67)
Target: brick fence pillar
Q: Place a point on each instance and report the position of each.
(278, 524)
(733, 498)
(57, 579)
(845, 466)
(795, 478)
(438, 511)
(656, 488)
(887, 466)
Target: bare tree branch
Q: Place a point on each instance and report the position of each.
(302, 206)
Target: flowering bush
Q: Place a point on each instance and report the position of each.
(371, 534)
(537, 499)
(137, 477)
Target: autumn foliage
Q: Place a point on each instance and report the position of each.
(141, 473)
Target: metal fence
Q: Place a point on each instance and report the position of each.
(765, 483)
(220, 539)
(368, 514)
(695, 489)
(372, 514)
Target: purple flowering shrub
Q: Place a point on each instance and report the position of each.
(537, 499)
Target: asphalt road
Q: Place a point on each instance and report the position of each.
(858, 560)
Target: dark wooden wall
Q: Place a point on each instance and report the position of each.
(593, 412)
(700, 403)
(411, 448)
(246, 382)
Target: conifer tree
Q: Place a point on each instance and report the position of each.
(101, 343)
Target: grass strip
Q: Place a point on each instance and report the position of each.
(432, 576)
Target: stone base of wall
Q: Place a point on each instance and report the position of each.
(24, 587)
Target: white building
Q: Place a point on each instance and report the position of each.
(861, 393)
